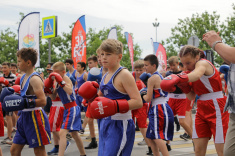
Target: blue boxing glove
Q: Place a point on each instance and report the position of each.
(143, 92)
(94, 75)
(144, 77)
(72, 79)
(224, 69)
(5, 92)
(15, 102)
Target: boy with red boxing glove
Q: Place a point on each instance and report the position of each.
(120, 96)
(72, 116)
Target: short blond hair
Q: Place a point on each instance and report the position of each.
(112, 46)
(173, 59)
(139, 64)
(59, 66)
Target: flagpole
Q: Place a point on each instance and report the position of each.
(49, 58)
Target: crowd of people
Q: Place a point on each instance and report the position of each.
(33, 106)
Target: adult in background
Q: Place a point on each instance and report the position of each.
(227, 53)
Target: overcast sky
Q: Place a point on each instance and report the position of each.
(136, 16)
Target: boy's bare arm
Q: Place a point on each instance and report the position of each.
(37, 86)
(153, 82)
(54, 94)
(130, 87)
(68, 88)
(85, 76)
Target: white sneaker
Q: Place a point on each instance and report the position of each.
(142, 143)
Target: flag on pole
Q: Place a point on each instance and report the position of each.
(28, 33)
(130, 46)
(160, 52)
(78, 44)
(152, 45)
(113, 33)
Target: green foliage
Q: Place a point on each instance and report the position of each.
(197, 25)
(8, 46)
(94, 40)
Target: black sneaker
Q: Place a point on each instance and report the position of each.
(81, 131)
(168, 147)
(68, 136)
(92, 145)
(149, 153)
(185, 136)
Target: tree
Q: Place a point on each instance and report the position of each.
(8, 46)
(94, 40)
(197, 25)
(228, 33)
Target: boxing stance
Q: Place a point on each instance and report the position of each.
(72, 116)
(206, 83)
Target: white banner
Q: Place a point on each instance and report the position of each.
(113, 33)
(28, 33)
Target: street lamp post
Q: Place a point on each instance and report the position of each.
(156, 24)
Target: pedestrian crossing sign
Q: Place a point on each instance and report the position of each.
(49, 27)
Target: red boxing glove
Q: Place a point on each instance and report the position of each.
(168, 83)
(48, 83)
(88, 90)
(4, 81)
(186, 86)
(58, 78)
(16, 88)
(103, 107)
(17, 81)
(84, 103)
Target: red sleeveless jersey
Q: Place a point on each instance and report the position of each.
(208, 84)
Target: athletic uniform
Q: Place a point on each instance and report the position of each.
(79, 99)
(210, 119)
(72, 76)
(117, 132)
(33, 125)
(56, 115)
(72, 115)
(177, 100)
(141, 113)
(161, 118)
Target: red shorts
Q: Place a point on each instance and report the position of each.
(56, 117)
(141, 116)
(1, 122)
(178, 106)
(210, 120)
(189, 104)
(88, 113)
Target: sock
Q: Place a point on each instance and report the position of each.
(93, 139)
(57, 146)
(150, 150)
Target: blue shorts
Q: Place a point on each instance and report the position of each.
(116, 137)
(72, 119)
(161, 122)
(33, 129)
